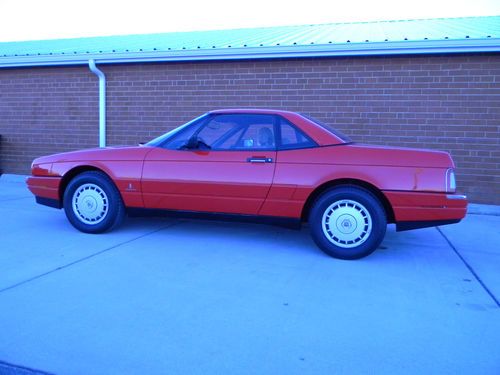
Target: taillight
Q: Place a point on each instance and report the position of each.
(451, 184)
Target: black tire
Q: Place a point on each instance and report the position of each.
(92, 203)
(347, 222)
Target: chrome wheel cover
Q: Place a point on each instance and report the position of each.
(90, 204)
(346, 223)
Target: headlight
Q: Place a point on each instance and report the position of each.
(451, 184)
(43, 169)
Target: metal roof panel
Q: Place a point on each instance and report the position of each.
(469, 34)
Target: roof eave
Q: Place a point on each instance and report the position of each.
(266, 52)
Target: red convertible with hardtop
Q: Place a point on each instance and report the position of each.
(266, 165)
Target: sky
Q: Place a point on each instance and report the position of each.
(56, 19)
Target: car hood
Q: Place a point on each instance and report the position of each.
(97, 154)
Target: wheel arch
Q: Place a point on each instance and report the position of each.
(73, 172)
(348, 182)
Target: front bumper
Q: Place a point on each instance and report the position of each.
(45, 189)
(419, 210)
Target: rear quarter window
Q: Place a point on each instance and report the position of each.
(292, 137)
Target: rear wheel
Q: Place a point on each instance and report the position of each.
(347, 222)
(92, 203)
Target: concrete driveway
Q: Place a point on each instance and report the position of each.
(170, 296)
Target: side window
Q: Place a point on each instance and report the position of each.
(257, 136)
(229, 132)
(293, 138)
(217, 129)
(180, 138)
(239, 132)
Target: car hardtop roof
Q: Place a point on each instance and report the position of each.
(252, 111)
(320, 134)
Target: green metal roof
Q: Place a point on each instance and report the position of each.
(442, 35)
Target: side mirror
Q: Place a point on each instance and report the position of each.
(192, 143)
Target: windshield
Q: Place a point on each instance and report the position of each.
(162, 138)
(335, 132)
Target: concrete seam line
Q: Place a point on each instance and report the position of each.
(9, 368)
(86, 258)
(484, 213)
(469, 267)
(14, 199)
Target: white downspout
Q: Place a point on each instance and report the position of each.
(102, 102)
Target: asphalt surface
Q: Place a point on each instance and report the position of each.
(170, 296)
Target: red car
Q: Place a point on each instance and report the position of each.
(275, 166)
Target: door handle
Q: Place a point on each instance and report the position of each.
(256, 159)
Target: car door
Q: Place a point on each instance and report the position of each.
(294, 175)
(224, 165)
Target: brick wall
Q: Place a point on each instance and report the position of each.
(43, 111)
(447, 103)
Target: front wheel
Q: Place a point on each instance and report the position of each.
(347, 222)
(92, 203)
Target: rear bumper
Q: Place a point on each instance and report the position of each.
(409, 225)
(45, 189)
(419, 210)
